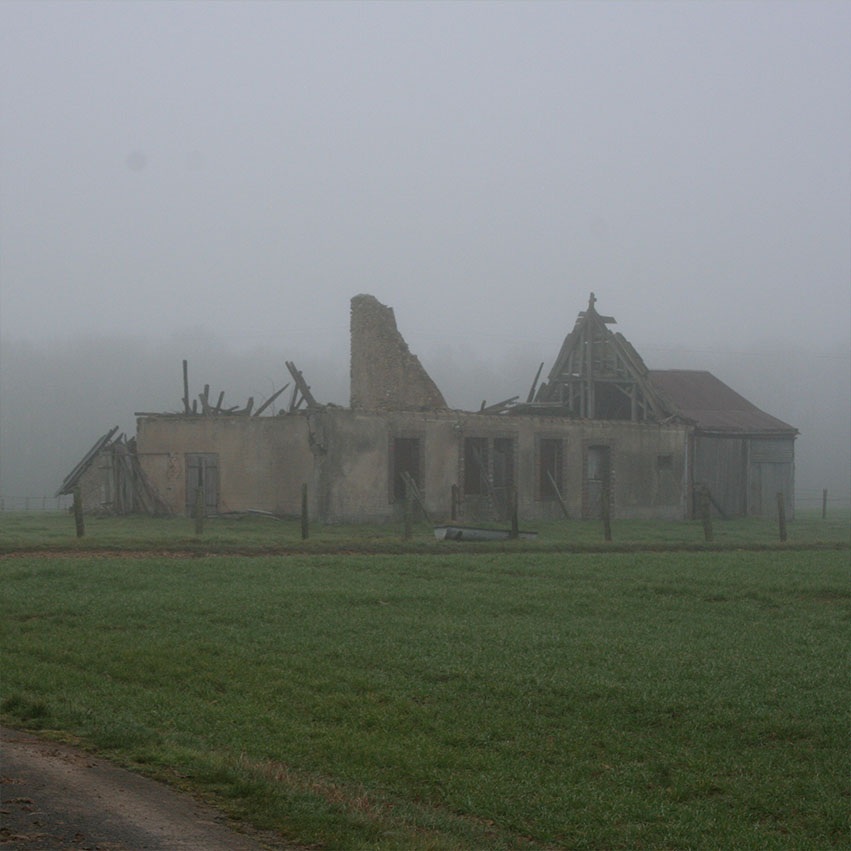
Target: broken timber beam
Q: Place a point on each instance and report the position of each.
(270, 400)
(499, 406)
(186, 409)
(302, 385)
(531, 397)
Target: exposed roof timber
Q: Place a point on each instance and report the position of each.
(574, 366)
(71, 479)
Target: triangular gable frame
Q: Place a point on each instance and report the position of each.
(599, 375)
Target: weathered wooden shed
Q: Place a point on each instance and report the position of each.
(111, 480)
(742, 454)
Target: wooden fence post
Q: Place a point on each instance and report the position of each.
(706, 513)
(305, 524)
(824, 504)
(781, 515)
(607, 516)
(408, 510)
(78, 513)
(199, 511)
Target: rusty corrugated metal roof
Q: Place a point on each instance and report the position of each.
(712, 405)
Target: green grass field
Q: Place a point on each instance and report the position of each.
(495, 700)
(44, 531)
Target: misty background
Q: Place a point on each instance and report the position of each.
(214, 181)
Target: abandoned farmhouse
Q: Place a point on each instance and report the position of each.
(601, 426)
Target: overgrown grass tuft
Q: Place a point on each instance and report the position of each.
(667, 700)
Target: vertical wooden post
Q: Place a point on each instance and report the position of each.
(186, 408)
(515, 520)
(607, 517)
(824, 504)
(408, 510)
(453, 513)
(305, 521)
(78, 513)
(706, 513)
(781, 515)
(199, 511)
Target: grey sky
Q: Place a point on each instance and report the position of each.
(479, 166)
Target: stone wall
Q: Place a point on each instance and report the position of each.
(385, 375)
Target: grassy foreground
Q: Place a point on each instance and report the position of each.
(668, 700)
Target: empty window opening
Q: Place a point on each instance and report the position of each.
(503, 475)
(597, 480)
(475, 465)
(503, 462)
(598, 464)
(406, 459)
(549, 468)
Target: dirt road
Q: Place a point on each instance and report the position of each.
(55, 797)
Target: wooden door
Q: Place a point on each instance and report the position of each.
(202, 471)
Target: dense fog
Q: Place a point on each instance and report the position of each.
(214, 181)
(59, 398)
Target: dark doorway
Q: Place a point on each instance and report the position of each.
(597, 480)
(503, 475)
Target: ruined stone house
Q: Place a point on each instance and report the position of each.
(600, 427)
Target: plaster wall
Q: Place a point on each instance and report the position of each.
(262, 462)
(345, 456)
(96, 485)
(356, 478)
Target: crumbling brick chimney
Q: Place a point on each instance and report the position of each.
(384, 373)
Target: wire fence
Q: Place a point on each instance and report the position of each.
(812, 498)
(36, 503)
(807, 499)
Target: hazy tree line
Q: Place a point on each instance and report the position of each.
(57, 398)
